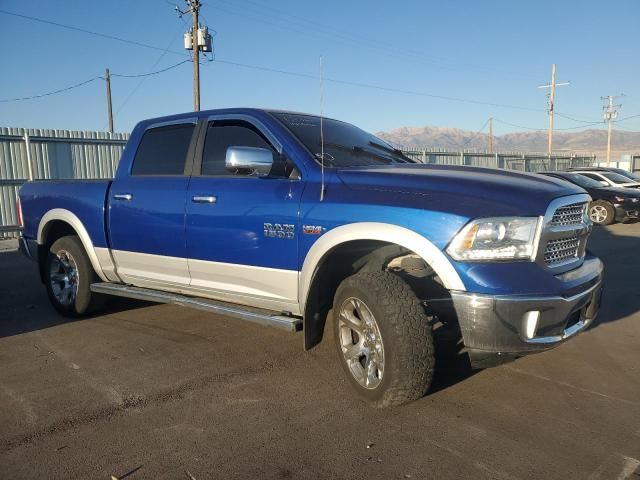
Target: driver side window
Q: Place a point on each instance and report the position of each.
(224, 134)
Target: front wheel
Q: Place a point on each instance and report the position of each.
(68, 277)
(384, 338)
(602, 213)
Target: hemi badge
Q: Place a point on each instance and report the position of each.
(312, 229)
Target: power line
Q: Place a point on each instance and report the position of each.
(470, 139)
(144, 76)
(77, 85)
(89, 32)
(543, 129)
(376, 87)
(151, 73)
(628, 118)
(54, 92)
(568, 117)
(268, 69)
(331, 33)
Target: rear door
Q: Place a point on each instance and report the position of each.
(147, 208)
(242, 230)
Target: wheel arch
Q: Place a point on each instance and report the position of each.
(59, 219)
(324, 266)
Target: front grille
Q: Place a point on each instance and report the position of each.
(569, 215)
(561, 250)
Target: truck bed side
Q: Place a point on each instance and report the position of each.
(85, 199)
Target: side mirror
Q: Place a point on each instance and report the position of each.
(258, 160)
(604, 183)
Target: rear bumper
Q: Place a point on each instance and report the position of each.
(28, 247)
(520, 324)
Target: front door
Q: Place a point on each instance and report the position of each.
(147, 210)
(242, 230)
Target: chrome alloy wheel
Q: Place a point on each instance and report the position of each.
(361, 343)
(63, 277)
(598, 214)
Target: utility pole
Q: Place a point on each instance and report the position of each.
(195, 8)
(551, 103)
(490, 135)
(610, 114)
(198, 38)
(107, 77)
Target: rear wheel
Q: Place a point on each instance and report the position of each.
(384, 338)
(68, 277)
(602, 213)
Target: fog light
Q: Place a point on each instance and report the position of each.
(531, 323)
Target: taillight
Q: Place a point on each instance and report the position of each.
(19, 213)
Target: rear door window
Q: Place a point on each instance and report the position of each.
(163, 150)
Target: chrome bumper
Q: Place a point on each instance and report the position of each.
(524, 324)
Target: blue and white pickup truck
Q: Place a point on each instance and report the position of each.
(291, 220)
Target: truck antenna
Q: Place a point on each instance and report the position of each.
(321, 133)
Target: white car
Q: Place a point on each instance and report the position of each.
(609, 179)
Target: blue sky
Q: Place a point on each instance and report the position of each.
(486, 51)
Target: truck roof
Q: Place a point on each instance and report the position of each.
(235, 110)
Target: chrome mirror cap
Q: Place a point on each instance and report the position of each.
(258, 160)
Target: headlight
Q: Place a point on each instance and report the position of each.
(501, 238)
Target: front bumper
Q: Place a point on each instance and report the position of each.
(627, 212)
(520, 324)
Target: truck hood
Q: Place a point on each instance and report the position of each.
(470, 191)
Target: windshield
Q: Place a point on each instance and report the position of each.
(581, 180)
(615, 177)
(345, 145)
(629, 175)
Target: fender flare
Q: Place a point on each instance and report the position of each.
(385, 232)
(75, 223)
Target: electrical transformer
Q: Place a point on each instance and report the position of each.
(188, 41)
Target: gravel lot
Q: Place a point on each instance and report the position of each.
(157, 391)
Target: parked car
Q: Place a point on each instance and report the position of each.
(609, 204)
(608, 178)
(625, 173)
(286, 220)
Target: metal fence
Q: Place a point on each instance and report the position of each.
(520, 161)
(34, 154)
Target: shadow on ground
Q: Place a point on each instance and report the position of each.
(25, 306)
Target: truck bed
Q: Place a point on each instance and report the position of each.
(86, 199)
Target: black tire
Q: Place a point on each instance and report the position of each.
(69, 250)
(406, 337)
(604, 207)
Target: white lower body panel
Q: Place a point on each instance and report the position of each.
(268, 288)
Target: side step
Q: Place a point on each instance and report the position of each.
(255, 315)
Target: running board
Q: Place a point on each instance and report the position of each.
(251, 314)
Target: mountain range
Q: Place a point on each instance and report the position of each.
(585, 141)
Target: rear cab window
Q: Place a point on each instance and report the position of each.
(163, 150)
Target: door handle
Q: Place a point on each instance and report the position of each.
(204, 199)
(123, 196)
